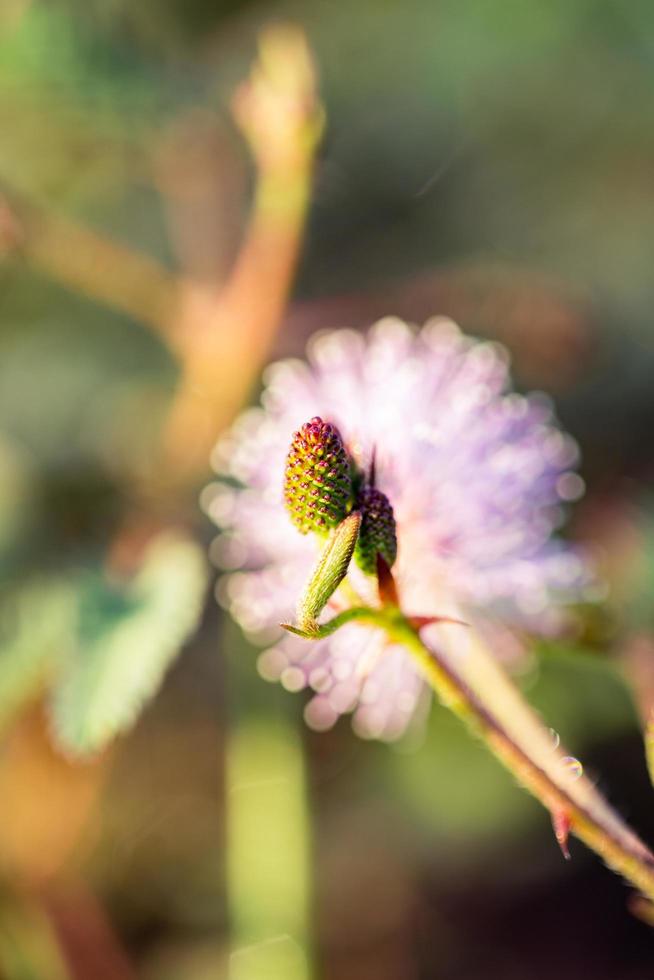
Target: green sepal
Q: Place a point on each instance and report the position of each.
(321, 630)
(329, 572)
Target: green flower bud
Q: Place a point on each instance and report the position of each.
(377, 531)
(317, 480)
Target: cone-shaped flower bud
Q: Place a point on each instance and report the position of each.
(377, 531)
(317, 481)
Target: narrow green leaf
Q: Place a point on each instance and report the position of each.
(133, 636)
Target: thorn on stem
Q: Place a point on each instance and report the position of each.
(562, 824)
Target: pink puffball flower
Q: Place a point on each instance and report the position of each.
(476, 476)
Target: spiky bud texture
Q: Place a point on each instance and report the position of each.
(317, 481)
(377, 531)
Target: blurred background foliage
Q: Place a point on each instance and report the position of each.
(488, 160)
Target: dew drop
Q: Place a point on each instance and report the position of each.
(572, 766)
(556, 738)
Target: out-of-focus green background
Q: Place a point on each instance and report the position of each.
(493, 161)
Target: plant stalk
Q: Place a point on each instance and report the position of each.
(544, 775)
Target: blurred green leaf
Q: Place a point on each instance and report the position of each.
(129, 638)
(37, 629)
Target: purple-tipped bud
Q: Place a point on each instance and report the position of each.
(317, 481)
(377, 531)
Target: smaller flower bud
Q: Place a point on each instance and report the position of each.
(317, 481)
(377, 531)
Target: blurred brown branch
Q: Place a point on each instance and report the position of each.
(88, 262)
(219, 327)
(38, 840)
(223, 334)
(220, 332)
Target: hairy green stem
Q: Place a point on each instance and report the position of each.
(516, 736)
